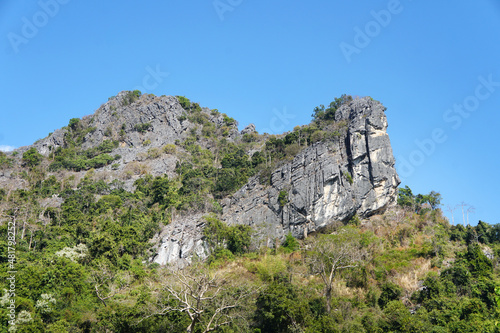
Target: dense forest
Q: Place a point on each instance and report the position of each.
(85, 266)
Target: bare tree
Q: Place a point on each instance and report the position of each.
(471, 210)
(207, 299)
(451, 210)
(333, 253)
(463, 204)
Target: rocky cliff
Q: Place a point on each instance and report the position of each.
(351, 172)
(327, 182)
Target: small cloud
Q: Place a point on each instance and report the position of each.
(6, 148)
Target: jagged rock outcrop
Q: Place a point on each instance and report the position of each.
(118, 119)
(327, 182)
(332, 180)
(248, 130)
(180, 241)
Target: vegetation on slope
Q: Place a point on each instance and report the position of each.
(82, 249)
(84, 268)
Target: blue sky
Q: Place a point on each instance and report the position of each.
(433, 65)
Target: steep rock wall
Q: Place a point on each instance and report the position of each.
(326, 182)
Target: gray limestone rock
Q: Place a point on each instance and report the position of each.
(248, 130)
(181, 241)
(332, 180)
(327, 182)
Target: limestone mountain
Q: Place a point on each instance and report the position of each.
(299, 182)
(331, 180)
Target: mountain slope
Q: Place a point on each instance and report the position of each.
(339, 166)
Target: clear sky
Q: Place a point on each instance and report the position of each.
(434, 65)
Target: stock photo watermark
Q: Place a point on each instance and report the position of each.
(278, 122)
(152, 79)
(453, 116)
(373, 28)
(9, 299)
(31, 26)
(223, 6)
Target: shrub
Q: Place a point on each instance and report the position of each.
(184, 102)
(154, 153)
(5, 162)
(290, 244)
(317, 136)
(146, 142)
(238, 238)
(292, 150)
(348, 176)
(280, 307)
(108, 132)
(169, 149)
(228, 121)
(32, 157)
(322, 113)
(283, 198)
(131, 97)
(208, 130)
(219, 236)
(74, 124)
(390, 292)
(141, 128)
(250, 137)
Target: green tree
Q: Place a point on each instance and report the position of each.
(185, 102)
(32, 157)
(163, 192)
(322, 113)
(280, 308)
(290, 243)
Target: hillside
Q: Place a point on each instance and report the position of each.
(155, 214)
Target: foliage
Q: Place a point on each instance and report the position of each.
(348, 176)
(390, 292)
(206, 301)
(321, 113)
(131, 97)
(283, 198)
(32, 158)
(74, 124)
(76, 159)
(5, 161)
(416, 202)
(290, 244)
(279, 307)
(331, 254)
(141, 128)
(84, 250)
(218, 236)
(185, 102)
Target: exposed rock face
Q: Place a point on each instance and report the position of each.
(327, 182)
(180, 241)
(118, 120)
(115, 120)
(248, 130)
